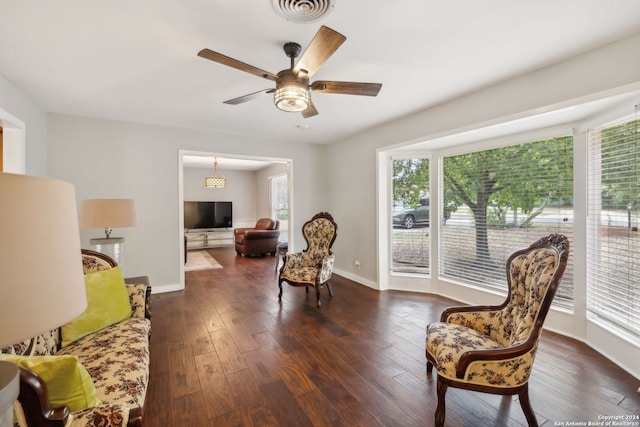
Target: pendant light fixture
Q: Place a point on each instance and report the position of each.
(217, 180)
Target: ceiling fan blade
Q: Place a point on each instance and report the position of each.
(347, 88)
(247, 98)
(310, 111)
(234, 63)
(324, 44)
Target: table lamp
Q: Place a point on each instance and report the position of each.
(41, 277)
(107, 214)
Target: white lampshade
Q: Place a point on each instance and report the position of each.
(108, 213)
(41, 277)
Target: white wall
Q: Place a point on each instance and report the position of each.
(241, 190)
(107, 159)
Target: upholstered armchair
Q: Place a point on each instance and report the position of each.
(259, 240)
(314, 265)
(492, 348)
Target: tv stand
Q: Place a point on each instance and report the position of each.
(213, 238)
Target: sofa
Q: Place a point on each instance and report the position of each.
(259, 240)
(87, 377)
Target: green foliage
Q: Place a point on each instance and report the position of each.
(620, 150)
(410, 181)
(516, 177)
(509, 178)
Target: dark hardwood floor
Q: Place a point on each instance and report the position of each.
(225, 352)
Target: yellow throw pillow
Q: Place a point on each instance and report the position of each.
(68, 382)
(107, 303)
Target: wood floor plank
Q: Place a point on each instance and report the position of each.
(226, 352)
(319, 411)
(229, 355)
(214, 385)
(158, 408)
(283, 405)
(188, 411)
(184, 375)
(245, 389)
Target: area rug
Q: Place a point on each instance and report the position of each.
(200, 260)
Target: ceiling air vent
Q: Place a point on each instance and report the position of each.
(303, 11)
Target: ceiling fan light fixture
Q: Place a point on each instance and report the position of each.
(291, 94)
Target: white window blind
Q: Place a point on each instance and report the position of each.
(503, 200)
(613, 240)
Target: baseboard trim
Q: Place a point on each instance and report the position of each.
(166, 288)
(361, 280)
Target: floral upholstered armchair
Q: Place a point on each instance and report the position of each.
(314, 265)
(492, 348)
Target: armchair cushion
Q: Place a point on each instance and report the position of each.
(107, 303)
(448, 342)
(68, 382)
(300, 267)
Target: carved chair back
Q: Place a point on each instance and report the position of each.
(320, 232)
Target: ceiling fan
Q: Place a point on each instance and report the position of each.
(292, 91)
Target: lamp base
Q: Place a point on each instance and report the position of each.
(9, 390)
(113, 246)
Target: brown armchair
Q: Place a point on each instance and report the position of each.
(491, 349)
(259, 240)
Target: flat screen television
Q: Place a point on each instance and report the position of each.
(205, 215)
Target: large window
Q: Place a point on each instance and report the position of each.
(613, 240)
(501, 200)
(410, 235)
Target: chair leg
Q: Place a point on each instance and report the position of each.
(280, 293)
(526, 406)
(440, 410)
(429, 366)
(318, 296)
(330, 289)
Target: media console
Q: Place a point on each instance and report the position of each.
(199, 239)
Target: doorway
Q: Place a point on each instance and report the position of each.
(248, 187)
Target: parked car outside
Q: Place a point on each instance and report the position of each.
(409, 218)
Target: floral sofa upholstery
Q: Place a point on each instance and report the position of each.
(116, 358)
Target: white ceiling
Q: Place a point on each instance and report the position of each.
(137, 61)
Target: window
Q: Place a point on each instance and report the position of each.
(501, 200)
(410, 235)
(613, 240)
(280, 202)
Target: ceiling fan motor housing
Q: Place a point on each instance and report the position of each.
(292, 92)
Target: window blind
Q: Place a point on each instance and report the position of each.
(613, 240)
(503, 200)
